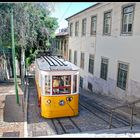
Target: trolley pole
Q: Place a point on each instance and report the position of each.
(13, 56)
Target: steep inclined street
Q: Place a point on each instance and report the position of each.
(93, 115)
(69, 69)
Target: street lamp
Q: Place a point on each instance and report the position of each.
(13, 56)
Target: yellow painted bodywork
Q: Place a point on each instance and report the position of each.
(38, 90)
(54, 110)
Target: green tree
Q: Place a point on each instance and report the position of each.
(33, 25)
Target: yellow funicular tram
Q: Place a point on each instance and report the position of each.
(57, 83)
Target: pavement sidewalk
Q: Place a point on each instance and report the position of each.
(11, 114)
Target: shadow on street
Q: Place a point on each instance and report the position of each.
(12, 111)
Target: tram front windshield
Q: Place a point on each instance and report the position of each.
(61, 84)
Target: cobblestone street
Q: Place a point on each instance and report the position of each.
(11, 114)
(92, 116)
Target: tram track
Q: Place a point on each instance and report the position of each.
(95, 109)
(57, 132)
(75, 125)
(62, 126)
(87, 104)
(63, 122)
(96, 112)
(104, 108)
(115, 114)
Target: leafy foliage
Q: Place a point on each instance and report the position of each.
(32, 24)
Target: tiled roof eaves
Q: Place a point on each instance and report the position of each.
(83, 11)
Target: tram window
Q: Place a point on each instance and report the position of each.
(47, 84)
(42, 82)
(74, 83)
(39, 79)
(61, 84)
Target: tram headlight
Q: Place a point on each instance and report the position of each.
(61, 102)
(69, 99)
(48, 101)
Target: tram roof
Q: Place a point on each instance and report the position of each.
(54, 63)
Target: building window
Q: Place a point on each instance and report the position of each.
(69, 55)
(127, 20)
(61, 48)
(82, 61)
(104, 68)
(81, 82)
(84, 27)
(65, 43)
(71, 29)
(76, 28)
(107, 23)
(91, 63)
(89, 86)
(122, 76)
(75, 57)
(93, 25)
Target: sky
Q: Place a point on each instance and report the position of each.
(62, 10)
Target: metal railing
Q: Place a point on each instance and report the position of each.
(131, 105)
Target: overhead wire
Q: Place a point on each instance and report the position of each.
(66, 11)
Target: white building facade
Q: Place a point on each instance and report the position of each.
(104, 41)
